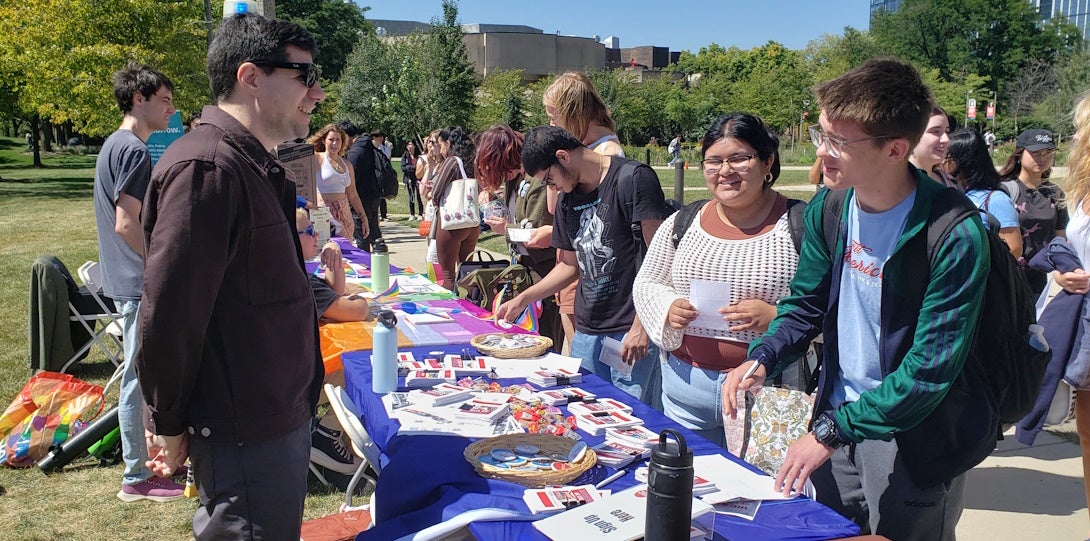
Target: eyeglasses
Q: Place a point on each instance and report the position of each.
(308, 72)
(835, 147)
(739, 163)
(309, 231)
(546, 180)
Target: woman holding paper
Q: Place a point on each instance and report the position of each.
(335, 177)
(706, 296)
(499, 166)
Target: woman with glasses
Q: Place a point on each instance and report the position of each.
(969, 162)
(1041, 211)
(499, 167)
(930, 151)
(336, 178)
(735, 260)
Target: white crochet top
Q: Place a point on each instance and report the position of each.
(760, 267)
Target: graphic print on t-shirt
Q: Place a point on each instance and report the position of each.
(860, 260)
(595, 254)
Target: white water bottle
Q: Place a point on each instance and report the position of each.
(384, 354)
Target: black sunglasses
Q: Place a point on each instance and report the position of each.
(308, 72)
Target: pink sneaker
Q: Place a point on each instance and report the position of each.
(156, 489)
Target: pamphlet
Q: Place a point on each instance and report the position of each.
(708, 297)
(611, 357)
(620, 516)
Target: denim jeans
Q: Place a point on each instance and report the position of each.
(130, 404)
(644, 383)
(691, 396)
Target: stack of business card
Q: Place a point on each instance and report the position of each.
(440, 395)
(559, 397)
(426, 364)
(634, 436)
(481, 411)
(597, 423)
(552, 378)
(701, 486)
(476, 366)
(598, 405)
(427, 378)
(618, 455)
(553, 499)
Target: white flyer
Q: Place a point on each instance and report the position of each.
(708, 297)
(611, 357)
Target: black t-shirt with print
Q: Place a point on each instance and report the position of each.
(597, 227)
(1040, 214)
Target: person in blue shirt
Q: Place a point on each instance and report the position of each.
(969, 162)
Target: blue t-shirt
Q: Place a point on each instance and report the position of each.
(871, 239)
(997, 203)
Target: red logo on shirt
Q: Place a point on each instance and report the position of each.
(869, 268)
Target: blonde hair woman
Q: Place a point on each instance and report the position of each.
(336, 178)
(572, 103)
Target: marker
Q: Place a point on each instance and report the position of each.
(619, 474)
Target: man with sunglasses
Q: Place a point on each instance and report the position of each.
(901, 413)
(229, 364)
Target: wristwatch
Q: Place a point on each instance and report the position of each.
(825, 431)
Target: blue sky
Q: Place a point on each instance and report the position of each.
(677, 24)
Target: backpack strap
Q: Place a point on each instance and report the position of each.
(796, 222)
(684, 220)
(831, 211)
(626, 186)
(1012, 189)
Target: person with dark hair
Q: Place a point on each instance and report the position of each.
(741, 237)
(901, 411)
(382, 167)
(361, 155)
(122, 174)
(454, 245)
(499, 167)
(969, 162)
(1042, 213)
(408, 177)
(224, 383)
(605, 202)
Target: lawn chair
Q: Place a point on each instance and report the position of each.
(362, 444)
(57, 337)
(105, 326)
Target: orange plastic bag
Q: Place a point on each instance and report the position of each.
(51, 408)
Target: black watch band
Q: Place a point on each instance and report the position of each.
(825, 431)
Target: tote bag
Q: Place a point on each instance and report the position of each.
(458, 207)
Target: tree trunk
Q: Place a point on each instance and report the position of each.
(47, 135)
(35, 121)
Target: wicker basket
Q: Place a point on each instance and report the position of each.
(546, 443)
(542, 345)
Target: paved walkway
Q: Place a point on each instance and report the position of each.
(1018, 493)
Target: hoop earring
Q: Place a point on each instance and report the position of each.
(768, 178)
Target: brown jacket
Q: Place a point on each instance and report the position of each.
(228, 331)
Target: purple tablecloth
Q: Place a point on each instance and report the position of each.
(353, 254)
(425, 480)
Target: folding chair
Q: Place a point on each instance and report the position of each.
(362, 444)
(108, 322)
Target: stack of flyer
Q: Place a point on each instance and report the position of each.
(555, 499)
(618, 455)
(476, 366)
(560, 397)
(587, 407)
(620, 516)
(552, 378)
(482, 411)
(701, 485)
(597, 423)
(416, 379)
(633, 436)
(440, 395)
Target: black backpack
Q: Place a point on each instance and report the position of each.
(385, 175)
(1011, 367)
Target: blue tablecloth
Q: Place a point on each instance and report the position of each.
(425, 480)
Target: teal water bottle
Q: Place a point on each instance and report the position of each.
(384, 354)
(380, 266)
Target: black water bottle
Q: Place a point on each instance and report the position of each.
(669, 490)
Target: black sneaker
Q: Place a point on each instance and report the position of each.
(328, 450)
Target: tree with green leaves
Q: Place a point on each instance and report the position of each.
(454, 81)
(335, 24)
(499, 100)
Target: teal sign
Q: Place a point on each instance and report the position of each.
(160, 140)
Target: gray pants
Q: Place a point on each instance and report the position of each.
(251, 491)
(868, 484)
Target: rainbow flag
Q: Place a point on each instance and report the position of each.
(391, 292)
(530, 318)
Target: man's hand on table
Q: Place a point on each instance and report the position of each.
(803, 457)
(512, 309)
(166, 453)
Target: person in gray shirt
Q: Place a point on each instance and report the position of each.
(122, 173)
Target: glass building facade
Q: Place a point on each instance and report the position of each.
(1076, 11)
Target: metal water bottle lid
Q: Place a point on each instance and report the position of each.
(387, 318)
(674, 454)
(379, 247)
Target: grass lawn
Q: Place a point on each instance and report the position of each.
(50, 211)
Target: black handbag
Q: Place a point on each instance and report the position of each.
(478, 260)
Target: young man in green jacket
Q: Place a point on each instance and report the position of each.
(901, 413)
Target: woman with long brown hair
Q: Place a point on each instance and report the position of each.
(335, 178)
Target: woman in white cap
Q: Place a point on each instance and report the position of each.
(1041, 211)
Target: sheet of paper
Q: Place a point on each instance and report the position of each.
(517, 234)
(708, 297)
(611, 357)
(734, 481)
(746, 509)
(520, 368)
